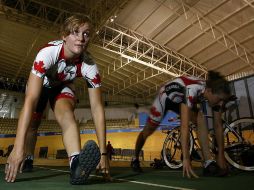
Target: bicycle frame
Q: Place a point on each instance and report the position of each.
(235, 143)
(227, 127)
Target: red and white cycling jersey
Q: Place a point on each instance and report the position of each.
(187, 90)
(50, 64)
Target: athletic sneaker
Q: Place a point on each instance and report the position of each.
(28, 165)
(84, 163)
(135, 164)
(213, 170)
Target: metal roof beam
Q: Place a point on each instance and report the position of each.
(219, 35)
(250, 3)
(190, 25)
(44, 14)
(222, 52)
(135, 48)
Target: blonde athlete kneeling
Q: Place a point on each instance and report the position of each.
(51, 79)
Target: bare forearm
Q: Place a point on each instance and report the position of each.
(219, 132)
(185, 133)
(98, 116)
(32, 95)
(219, 138)
(185, 136)
(23, 124)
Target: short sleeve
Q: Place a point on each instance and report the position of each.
(44, 60)
(91, 74)
(191, 95)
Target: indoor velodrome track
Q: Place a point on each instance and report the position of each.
(57, 178)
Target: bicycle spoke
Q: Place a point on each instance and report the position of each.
(239, 144)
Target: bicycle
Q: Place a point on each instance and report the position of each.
(238, 139)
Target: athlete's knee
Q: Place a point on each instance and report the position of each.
(150, 127)
(65, 117)
(148, 130)
(64, 109)
(146, 134)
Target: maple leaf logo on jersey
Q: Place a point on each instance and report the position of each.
(96, 79)
(61, 76)
(38, 66)
(154, 112)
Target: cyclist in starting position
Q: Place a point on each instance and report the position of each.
(183, 95)
(51, 79)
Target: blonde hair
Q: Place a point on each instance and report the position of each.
(74, 22)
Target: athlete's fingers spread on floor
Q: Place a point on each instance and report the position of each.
(189, 172)
(21, 167)
(7, 172)
(14, 172)
(194, 174)
(107, 177)
(186, 169)
(185, 172)
(6, 168)
(11, 172)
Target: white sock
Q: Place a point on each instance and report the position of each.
(208, 162)
(72, 156)
(30, 157)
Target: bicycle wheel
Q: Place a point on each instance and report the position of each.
(239, 144)
(171, 151)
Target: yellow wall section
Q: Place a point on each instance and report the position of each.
(5, 142)
(124, 140)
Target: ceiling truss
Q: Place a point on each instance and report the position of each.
(50, 14)
(223, 38)
(133, 49)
